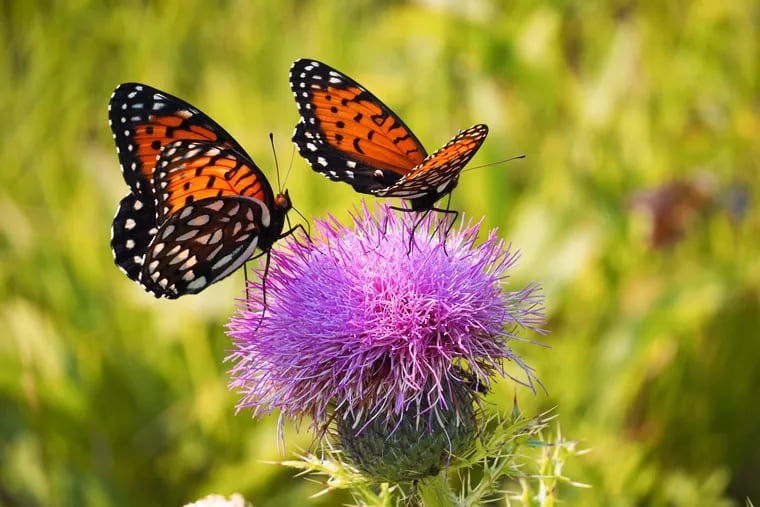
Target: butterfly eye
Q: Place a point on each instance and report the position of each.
(282, 201)
(378, 175)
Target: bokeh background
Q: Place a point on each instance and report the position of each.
(636, 208)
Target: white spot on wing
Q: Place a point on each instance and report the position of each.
(181, 257)
(168, 231)
(199, 221)
(215, 206)
(216, 237)
(192, 261)
(188, 235)
(186, 212)
(198, 283)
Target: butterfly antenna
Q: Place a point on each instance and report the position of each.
(522, 155)
(290, 166)
(306, 229)
(292, 159)
(276, 163)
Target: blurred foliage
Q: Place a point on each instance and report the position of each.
(109, 397)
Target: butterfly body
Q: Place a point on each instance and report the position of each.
(347, 134)
(198, 206)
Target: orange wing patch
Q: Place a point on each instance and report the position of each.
(438, 174)
(187, 172)
(153, 137)
(456, 154)
(362, 130)
(145, 120)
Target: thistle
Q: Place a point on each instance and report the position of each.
(395, 344)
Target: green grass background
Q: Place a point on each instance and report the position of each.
(109, 397)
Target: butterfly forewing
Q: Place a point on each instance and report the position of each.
(145, 120)
(348, 134)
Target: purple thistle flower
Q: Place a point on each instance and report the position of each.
(358, 323)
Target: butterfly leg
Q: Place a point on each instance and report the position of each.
(264, 289)
(292, 230)
(247, 288)
(416, 223)
(385, 226)
(414, 229)
(247, 285)
(446, 213)
(268, 254)
(263, 286)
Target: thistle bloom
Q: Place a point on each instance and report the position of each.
(370, 321)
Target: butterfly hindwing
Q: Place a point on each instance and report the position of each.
(348, 134)
(132, 230)
(438, 174)
(204, 242)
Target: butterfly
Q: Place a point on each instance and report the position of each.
(198, 206)
(347, 134)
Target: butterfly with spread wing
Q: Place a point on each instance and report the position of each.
(198, 206)
(347, 134)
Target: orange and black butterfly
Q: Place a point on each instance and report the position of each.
(198, 206)
(347, 134)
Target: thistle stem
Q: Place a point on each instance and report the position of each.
(435, 492)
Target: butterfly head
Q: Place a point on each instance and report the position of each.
(282, 202)
(279, 211)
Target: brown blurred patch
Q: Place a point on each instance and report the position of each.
(673, 207)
